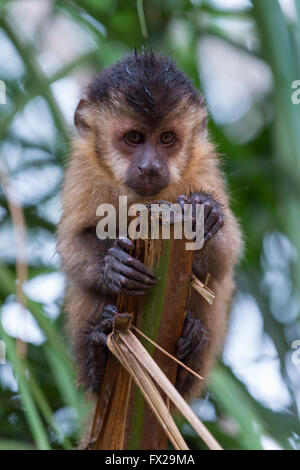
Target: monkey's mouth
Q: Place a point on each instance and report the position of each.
(147, 189)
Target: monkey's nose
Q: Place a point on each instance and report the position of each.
(150, 171)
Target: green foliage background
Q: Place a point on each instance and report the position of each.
(263, 178)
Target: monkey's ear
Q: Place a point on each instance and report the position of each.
(80, 118)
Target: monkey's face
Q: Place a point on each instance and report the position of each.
(147, 156)
(140, 122)
(146, 159)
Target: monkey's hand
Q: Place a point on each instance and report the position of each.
(124, 274)
(97, 350)
(190, 348)
(213, 215)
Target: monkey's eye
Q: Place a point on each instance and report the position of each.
(134, 137)
(167, 138)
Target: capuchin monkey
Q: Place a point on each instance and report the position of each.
(142, 133)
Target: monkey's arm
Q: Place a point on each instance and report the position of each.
(219, 255)
(222, 241)
(205, 325)
(104, 266)
(97, 270)
(82, 255)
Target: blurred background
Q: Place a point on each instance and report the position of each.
(245, 57)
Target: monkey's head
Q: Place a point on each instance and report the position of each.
(142, 118)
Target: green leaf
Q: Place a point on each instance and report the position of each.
(236, 404)
(35, 423)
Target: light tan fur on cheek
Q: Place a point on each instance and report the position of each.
(118, 165)
(177, 165)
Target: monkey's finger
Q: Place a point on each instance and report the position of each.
(133, 274)
(117, 289)
(206, 210)
(109, 311)
(141, 267)
(123, 281)
(182, 199)
(194, 359)
(201, 198)
(107, 319)
(188, 323)
(125, 243)
(186, 346)
(214, 216)
(180, 355)
(119, 283)
(130, 284)
(107, 325)
(213, 230)
(132, 262)
(211, 218)
(208, 207)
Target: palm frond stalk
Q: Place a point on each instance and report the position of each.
(160, 316)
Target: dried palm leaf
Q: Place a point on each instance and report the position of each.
(144, 371)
